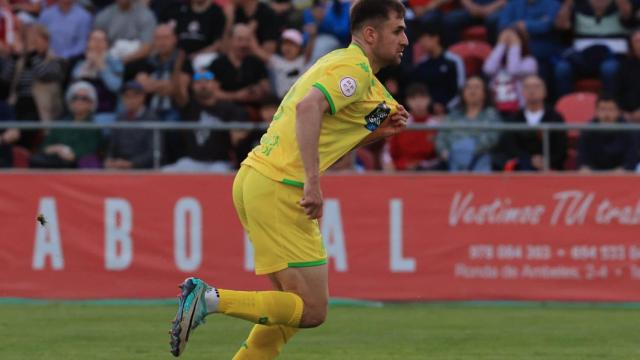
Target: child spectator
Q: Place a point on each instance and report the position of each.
(507, 65)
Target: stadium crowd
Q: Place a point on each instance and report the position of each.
(470, 61)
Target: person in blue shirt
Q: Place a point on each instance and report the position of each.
(71, 24)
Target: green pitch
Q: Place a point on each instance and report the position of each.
(435, 331)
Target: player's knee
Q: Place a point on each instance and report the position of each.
(313, 316)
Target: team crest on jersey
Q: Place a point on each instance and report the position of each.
(377, 116)
(348, 86)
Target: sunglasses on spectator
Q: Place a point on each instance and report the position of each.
(81, 98)
(208, 75)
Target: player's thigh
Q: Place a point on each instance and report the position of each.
(312, 285)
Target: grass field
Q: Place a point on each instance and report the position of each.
(433, 331)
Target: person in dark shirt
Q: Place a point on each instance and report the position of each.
(208, 150)
(261, 19)
(610, 150)
(628, 90)
(131, 148)
(240, 76)
(199, 26)
(441, 71)
(161, 75)
(523, 150)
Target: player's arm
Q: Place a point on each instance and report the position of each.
(309, 113)
(391, 126)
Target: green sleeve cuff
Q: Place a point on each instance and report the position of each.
(327, 95)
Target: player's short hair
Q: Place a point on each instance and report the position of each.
(373, 12)
(416, 89)
(606, 97)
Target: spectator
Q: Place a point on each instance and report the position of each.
(8, 137)
(330, 20)
(473, 12)
(71, 24)
(131, 148)
(600, 28)
(161, 75)
(413, 150)
(103, 71)
(199, 26)
(442, 72)
(611, 150)
(129, 25)
(208, 150)
(240, 76)
(70, 148)
(9, 28)
(288, 67)
(469, 150)
(524, 149)
(628, 84)
(38, 76)
(536, 19)
(260, 18)
(27, 11)
(506, 66)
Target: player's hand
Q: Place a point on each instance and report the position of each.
(396, 122)
(312, 199)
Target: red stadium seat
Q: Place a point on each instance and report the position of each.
(475, 33)
(589, 85)
(577, 107)
(473, 53)
(20, 157)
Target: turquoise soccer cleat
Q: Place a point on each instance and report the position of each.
(192, 310)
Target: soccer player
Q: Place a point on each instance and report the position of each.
(337, 105)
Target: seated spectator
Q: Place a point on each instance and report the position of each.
(288, 67)
(131, 148)
(199, 26)
(600, 28)
(36, 84)
(330, 20)
(628, 84)
(610, 150)
(71, 24)
(161, 75)
(506, 66)
(103, 71)
(208, 150)
(442, 72)
(469, 150)
(8, 137)
(129, 25)
(27, 11)
(524, 149)
(473, 12)
(240, 76)
(70, 148)
(413, 150)
(535, 18)
(260, 18)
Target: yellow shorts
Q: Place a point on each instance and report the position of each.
(281, 234)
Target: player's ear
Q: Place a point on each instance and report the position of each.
(369, 34)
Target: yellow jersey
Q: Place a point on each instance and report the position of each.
(358, 103)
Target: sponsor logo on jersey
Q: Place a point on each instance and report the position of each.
(377, 116)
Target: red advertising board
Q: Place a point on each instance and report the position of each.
(395, 237)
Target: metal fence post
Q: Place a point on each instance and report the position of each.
(546, 149)
(157, 148)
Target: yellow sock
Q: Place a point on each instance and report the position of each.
(262, 307)
(265, 342)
